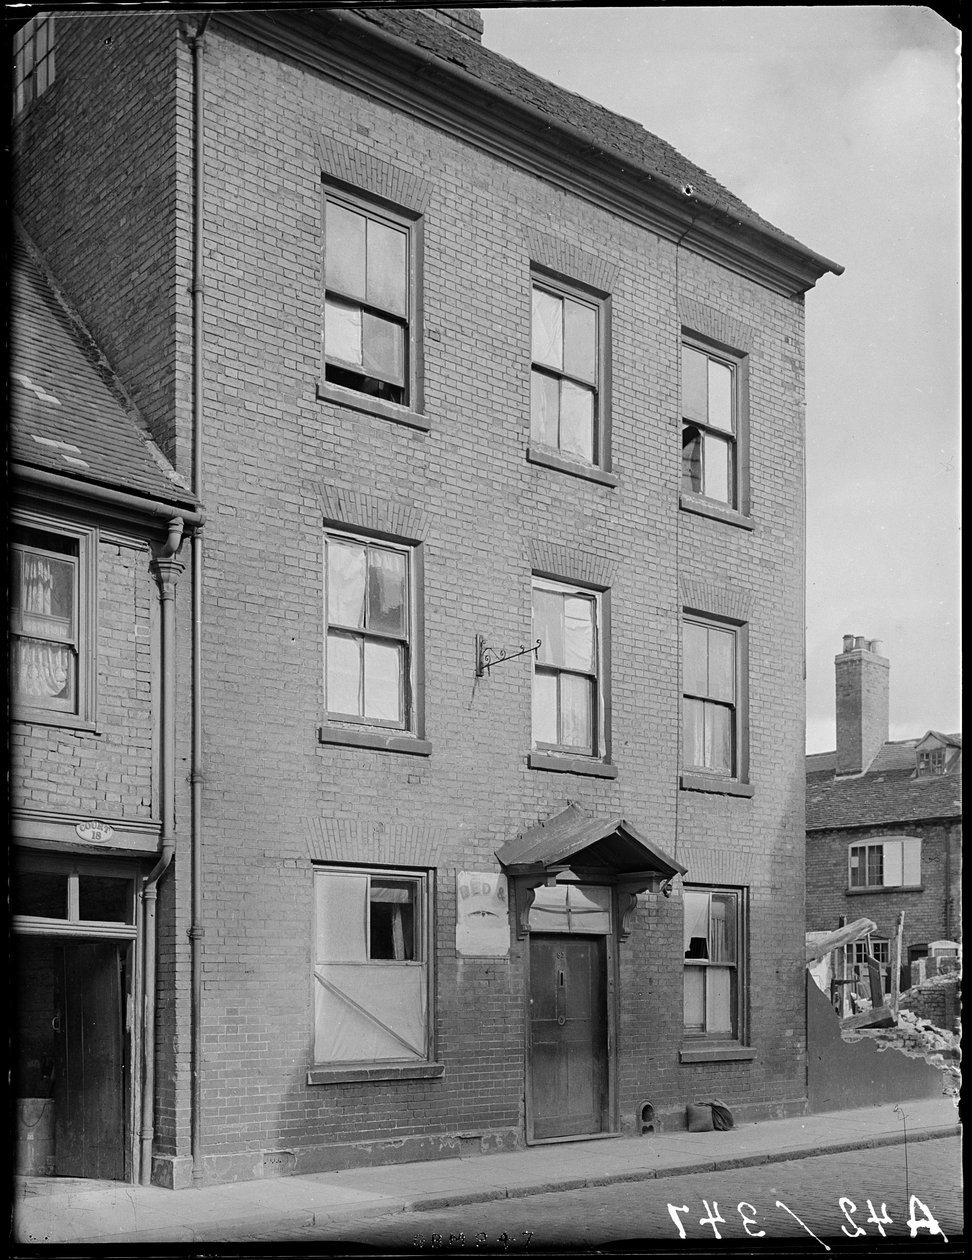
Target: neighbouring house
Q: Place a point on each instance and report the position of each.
(884, 824)
(452, 799)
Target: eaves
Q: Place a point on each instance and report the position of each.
(405, 77)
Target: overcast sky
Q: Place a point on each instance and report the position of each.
(840, 126)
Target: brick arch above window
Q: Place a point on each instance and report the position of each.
(358, 509)
(571, 263)
(703, 320)
(570, 564)
(717, 599)
(366, 173)
(373, 840)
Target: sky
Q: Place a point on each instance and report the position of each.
(840, 126)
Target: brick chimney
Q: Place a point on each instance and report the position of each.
(862, 703)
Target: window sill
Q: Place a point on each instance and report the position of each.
(348, 1074)
(712, 783)
(564, 763)
(549, 459)
(373, 406)
(702, 506)
(880, 890)
(65, 721)
(383, 740)
(716, 1054)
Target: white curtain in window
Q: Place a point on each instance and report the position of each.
(42, 669)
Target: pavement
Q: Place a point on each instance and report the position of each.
(58, 1210)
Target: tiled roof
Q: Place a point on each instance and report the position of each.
(610, 131)
(64, 416)
(889, 792)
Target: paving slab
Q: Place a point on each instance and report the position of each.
(71, 1210)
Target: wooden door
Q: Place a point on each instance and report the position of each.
(89, 1061)
(568, 1036)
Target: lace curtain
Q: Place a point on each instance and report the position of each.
(42, 669)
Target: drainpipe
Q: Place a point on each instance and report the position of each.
(196, 929)
(167, 570)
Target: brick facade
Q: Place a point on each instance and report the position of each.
(281, 459)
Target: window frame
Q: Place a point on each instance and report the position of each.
(25, 42)
(709, 779)
(409, 411)
(739, 984)
(856, 885)
(547, 756)
(85, 541)
(327, 1071)
(598, 468)
(879, 945)
(737, 510)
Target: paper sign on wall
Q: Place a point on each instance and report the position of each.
(482, 914)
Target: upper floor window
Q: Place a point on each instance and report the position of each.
(33, 47)
(890, 863)
(368, 645)
(710, 710)
(371, 966)
(51, 634)
(931, 761)
(567, 413)
(368, 303)
(712, 426)
(566, 676)
(713, 932)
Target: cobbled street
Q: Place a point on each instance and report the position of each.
(793, 1200)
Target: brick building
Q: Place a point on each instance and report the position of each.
(487, 819)
(884, 821)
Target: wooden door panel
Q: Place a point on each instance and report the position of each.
(89, 1062)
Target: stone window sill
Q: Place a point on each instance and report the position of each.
(883, 889)
(65, 721)
(565, 764)
(716, 1054)
(550, 459)
(383, 740)
(712, 783)
(702, 506)
(395, 412)
(349, 1073)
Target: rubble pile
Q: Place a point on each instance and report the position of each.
(920, 1038)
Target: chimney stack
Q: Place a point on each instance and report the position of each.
(862, 675)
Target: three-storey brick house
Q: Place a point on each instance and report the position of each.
(490, 810)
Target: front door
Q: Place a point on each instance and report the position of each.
(89, 1060)
(568, 1036)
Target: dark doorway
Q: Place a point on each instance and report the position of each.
(568, 1036)
(89, 1059)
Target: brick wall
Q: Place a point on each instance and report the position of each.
(276, 457)
(929, 912)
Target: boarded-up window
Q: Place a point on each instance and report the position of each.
(371, 987)
(572, 908)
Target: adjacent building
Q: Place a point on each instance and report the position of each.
(884, 822)
(454, 793)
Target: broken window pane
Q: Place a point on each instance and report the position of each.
(386, 591)
(548, 339)
(344, 243)
(392, 919)
(341, 917)
(692, 459)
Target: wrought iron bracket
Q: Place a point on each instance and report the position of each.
(487, 657)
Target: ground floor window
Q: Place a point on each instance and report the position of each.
(880, 951)
(371, 965)
(713, 981)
